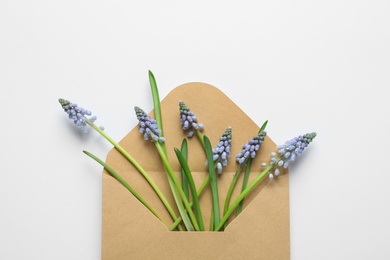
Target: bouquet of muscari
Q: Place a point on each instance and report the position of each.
(185, 193)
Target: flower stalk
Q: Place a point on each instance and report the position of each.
(248, 169)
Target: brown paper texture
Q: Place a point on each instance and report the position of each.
(130, 231)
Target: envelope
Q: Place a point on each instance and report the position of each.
(130, 231)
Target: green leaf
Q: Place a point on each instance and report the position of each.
(158, 118)
(186, 169)
(175, 186)
(183, 213)
(184, 180)
(156, 101)
(138, 167)
(262, 128)
(123, 182)
(157, 107)
(213, 181)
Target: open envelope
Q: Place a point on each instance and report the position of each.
(130, 231)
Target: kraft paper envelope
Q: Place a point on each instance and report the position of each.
(130, 231)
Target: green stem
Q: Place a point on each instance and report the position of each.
(231, 189)
(138, 167)
(203, 185)
(243, 195)
(200, 137)
(206, 181)
(123, 182)
(175, 224)
(244, 184)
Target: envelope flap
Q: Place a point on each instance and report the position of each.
(127, 225)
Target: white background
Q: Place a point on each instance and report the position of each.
(304, 65)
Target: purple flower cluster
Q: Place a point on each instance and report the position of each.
(148, 126)
(188, 120)
(249, 149)
(77, 114)
(222, 150)
(289, 151)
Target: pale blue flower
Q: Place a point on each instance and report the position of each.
(148, 126)
(188, 120)
(222, 150)
(249, 149)
(289, 151)
(77, 114)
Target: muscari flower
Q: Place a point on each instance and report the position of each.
(289, 151)
(188, 120)
(222, 151)
(249, 149)
(77, 114)
(148, 126)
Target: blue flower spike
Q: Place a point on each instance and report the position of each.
(148, 126)
(78, 114)
(249, 149)
(222, 150)
(289, 151)
(188, 120)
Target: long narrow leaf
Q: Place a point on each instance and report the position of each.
(123, 182)
(138, 167)
(213, 181)
(183, 213)
(158, 117)
(186, 169)
(184, 180)
(156, 101)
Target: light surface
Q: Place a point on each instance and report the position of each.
(304, 65)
